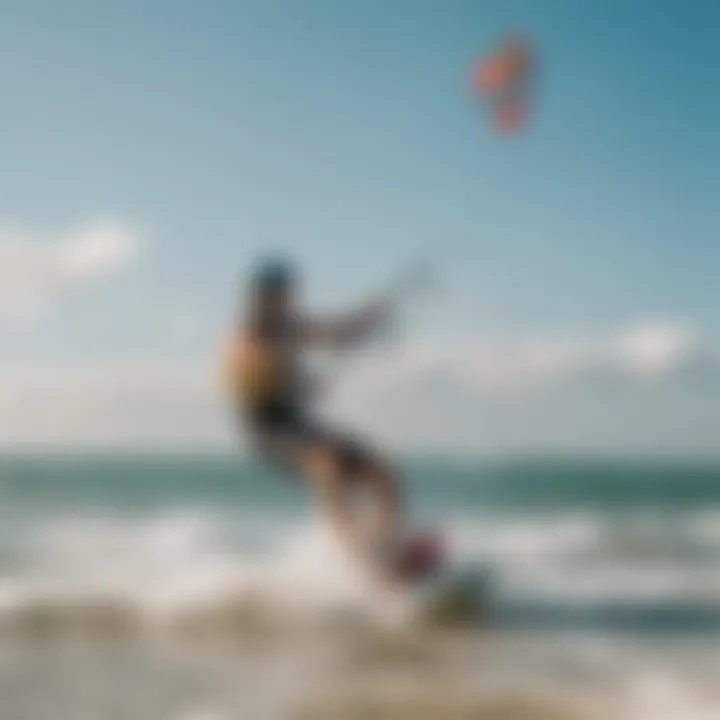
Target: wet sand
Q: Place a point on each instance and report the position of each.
(338, 673)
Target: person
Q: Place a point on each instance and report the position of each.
(263, 366)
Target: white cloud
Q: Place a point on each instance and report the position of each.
(35, 270)
(652, 388)
(657, 348)
(623, 391)
(647, 351)
(140, 403)
(95, 252)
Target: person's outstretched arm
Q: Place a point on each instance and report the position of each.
(348, 330)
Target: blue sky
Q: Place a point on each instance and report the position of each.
(345, 133)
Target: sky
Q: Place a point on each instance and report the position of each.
(152, 149)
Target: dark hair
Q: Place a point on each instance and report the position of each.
(271, 276)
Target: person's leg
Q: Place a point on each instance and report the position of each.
(321, 465)
(340, 472)
(376, 478)
(346, 478)
(298, 448)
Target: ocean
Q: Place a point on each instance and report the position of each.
(183, 587)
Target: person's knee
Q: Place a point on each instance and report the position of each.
(318, 461)
(377, 468)
(338, 462)
(383, 478)
(346, 459)
(381, 469)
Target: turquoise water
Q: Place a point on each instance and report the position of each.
(573, 542)
(136, 482)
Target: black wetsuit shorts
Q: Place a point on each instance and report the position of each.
(282, 433)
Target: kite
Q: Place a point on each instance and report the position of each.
(504, 80)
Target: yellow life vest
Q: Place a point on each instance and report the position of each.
(254, 381)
